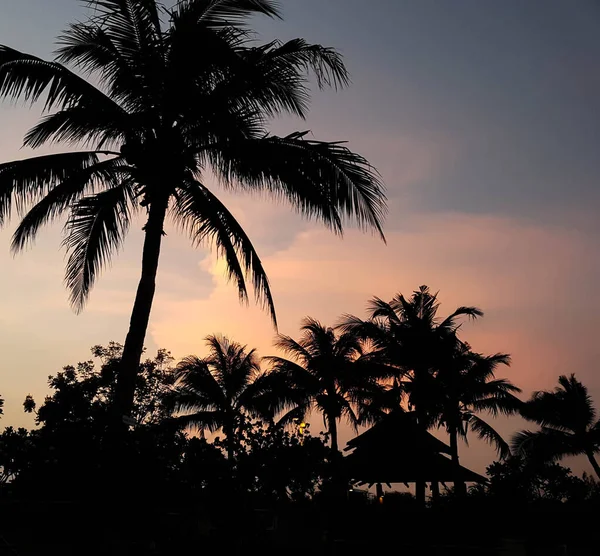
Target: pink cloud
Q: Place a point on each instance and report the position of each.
(522, 275)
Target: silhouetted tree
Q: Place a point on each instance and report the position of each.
(15, 453)
(279, 464)
(84, 394)
(166, 101)
(412, 340)
(70, 454)
(568, 419)
(219, 391)
(517, 481)
(329, 372)
(1, 406)
(464, 386)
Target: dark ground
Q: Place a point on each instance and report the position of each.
(32, 528)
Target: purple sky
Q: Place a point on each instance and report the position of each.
(482, 117)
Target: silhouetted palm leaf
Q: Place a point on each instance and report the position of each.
(96, 228)
(568, 423)
(490, 435)
(208, 221)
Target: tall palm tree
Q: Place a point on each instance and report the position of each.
(327, 372)
(219, 391)
(567, 417)
(156, 102)
(464, 386)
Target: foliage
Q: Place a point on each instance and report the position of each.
(432, 370)
(217, 392)
(280, 465)
(159, 117)
(83, 394)
(154, 102)
(518, 480)
(567, 417)
(329, 372)
(69, 452)
(412, 341)
(15, 448)
(263, 462)
(465, 385)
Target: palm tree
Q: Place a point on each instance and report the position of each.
(219, 391)
(464, 386)
(162, 100)
(412, 340)
(328, 372)
(567, 417)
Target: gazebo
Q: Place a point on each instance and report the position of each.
(398, 450)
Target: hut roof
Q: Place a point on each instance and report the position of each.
(397, 450)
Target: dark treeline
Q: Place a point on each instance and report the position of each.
(229, 436)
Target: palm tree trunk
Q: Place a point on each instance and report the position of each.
(420, 485)
(593, 462)
(435, 492)
(334, 436)
(230, 449)
(338, 484)
(420, 493)
(140, 315)
(459, 485)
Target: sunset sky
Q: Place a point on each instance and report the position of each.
(482, 117)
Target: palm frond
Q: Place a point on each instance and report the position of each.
(200, 420)
(568, 407)
(134, 28)
(26, 181)
(490, 435)
(546, 444)
(124, 42)
(576, 394)
(348, 412)
(219, 360)
(196, 386)
(376, 333)
(274, 78)
(322, 180)
(81, 126)
(205, 218)
(450, 322)
(288, 345)
(379, 309)
(29, 77)
(222, 13)
(296, 413)
(298, 378)
(318, 340)
(96, 228)
(297, 54)
(91, 49)
(61, 197)
(504, 403)
(267, 396)
(349, 346)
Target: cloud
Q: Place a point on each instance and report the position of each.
(534, 283)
